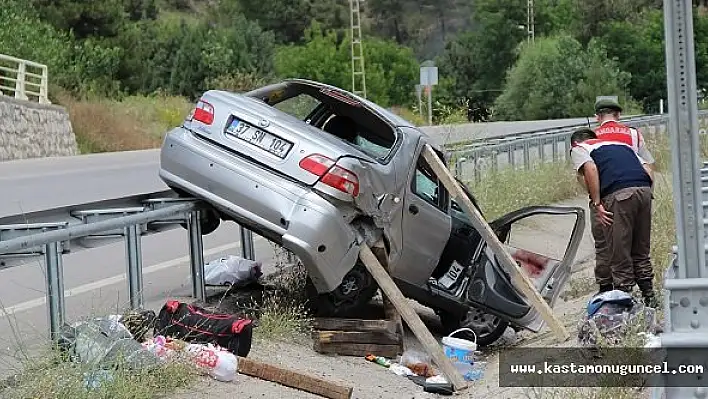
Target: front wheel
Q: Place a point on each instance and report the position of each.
(356, 291)
(487, 327)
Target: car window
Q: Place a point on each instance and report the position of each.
(299, 106)
(426, 185)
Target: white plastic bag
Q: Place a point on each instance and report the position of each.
(232, 270)
(222, 365)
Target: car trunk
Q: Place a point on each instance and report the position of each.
(264, 134)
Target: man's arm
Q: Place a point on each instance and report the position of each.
(592, 181)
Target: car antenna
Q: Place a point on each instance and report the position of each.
(588, 119)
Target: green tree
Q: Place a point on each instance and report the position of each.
(102, 18)
(477, 60)
(556, 77)
(391, 70)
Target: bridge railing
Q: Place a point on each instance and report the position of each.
(23, 79)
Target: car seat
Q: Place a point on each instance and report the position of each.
(342, 127)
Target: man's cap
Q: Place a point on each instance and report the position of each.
(607, 103)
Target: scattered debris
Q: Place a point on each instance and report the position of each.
(233, 271)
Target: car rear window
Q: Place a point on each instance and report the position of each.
(299, 106)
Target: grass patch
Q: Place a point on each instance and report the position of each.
(132, 123)
(508, 189)
(50, 377)
(283, 313)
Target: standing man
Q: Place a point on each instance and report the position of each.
(607, 112)
(619, 184)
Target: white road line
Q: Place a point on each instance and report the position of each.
(82, 289)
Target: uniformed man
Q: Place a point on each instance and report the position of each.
(619, 184)
(607, 112)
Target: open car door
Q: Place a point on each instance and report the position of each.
(544, 240)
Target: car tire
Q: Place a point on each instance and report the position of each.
(210, 219)
(488, 328)
(356, 291)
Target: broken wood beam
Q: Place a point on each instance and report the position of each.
(294, 379)
(426, 338)
(518, 277)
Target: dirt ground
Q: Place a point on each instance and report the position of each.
(373, 381)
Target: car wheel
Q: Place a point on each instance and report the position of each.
(487, 327)
(356, 290)
(209, 218)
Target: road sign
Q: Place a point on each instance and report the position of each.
(428, 74)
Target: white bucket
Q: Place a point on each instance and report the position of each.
(461, 352)
(458, 349)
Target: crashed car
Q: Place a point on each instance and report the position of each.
(320, 171)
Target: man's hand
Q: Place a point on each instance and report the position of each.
(603, 216)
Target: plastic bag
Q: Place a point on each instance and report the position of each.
(418, 362)
(233, 270)
(221, 364)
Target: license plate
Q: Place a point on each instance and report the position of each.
(259, 138)
(452, 275)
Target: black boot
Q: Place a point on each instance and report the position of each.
(647, 289)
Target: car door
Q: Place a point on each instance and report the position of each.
(544, 240)
(425, 223)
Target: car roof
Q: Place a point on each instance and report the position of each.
(384, 114)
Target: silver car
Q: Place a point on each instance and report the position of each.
(318, 169)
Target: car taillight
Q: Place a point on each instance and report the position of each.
(204, 112)
(331, 174)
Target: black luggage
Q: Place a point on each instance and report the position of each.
(196, 325)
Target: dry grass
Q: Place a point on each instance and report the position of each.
(507, 190)
(133, 123)
(50, 377)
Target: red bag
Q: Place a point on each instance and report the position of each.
(197, 325)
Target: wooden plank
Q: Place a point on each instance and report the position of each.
(294, 379)
(390, 312)
(356, 337)
(518, 277)
(359, 350)
(408, 314)
(332, 324)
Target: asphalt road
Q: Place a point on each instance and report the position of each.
(95, 278)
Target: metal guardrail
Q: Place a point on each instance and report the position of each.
(25, 80)
(515, 150)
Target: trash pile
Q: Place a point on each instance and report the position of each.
(417, 366)
(610, 316)
(141, 340)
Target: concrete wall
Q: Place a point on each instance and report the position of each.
(33, 130)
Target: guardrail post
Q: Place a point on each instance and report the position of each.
(247, 250)
(196, 255)
(554, 142)
(512, 155)
(527, 155)
(20, 82)
(133, 254)
(44, 86)
(542, 149)
(55, 288)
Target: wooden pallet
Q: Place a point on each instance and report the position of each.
(360, 337)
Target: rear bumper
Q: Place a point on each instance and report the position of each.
(275, 207)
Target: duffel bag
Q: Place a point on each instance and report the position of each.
(197, 325)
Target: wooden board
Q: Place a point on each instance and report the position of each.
(431, 345)
(519, 278)
(359, 350)
(356, 337)
(332, 324)
(294, 379)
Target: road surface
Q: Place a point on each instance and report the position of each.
(95, 278)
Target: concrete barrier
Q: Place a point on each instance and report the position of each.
(33, 130)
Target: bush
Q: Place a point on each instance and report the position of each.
(556, 78)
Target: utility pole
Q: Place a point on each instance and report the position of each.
(687, 278)
(530, 21)
(358, 75)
